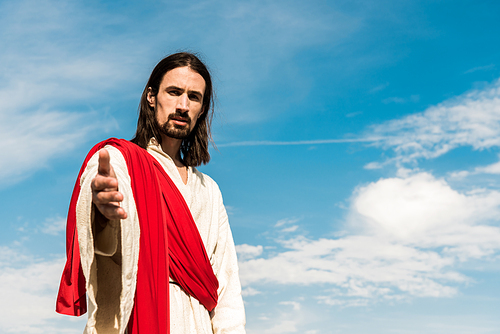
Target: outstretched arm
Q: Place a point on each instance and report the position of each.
(106, 199)
(99, 243)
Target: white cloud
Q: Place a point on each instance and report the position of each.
(493, 168)
(398, 100)
(281, 323)
(353, 114)
(286, 221)
(379, 88)
(409, 235)
(54, 226)
(480, 68)
(356, 264)
(285, 326)
(289, 316)
(401, 100)
(471, 119)
(30, 139)
(423, 211)
(9, 257)
(249, 291)
(290, 229)
(299, 142)
(489, 169)
(47, 81)
(248, 251)
(417, 205)
(28, 288)
(340, 300)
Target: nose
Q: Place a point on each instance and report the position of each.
(183, 103)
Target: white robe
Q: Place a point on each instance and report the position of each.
(111, 287)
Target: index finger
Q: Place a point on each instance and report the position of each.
(104, 168)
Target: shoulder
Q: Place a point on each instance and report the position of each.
(91, 163)
(205, 181)
(116, 148)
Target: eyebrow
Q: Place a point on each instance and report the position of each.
(199, 94)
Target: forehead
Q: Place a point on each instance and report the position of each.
(185, 78)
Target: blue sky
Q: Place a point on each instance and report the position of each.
(358, 151)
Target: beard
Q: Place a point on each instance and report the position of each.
(173, 130)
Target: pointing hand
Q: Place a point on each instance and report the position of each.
(105, 194)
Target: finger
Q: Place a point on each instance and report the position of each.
(107, 197)
(104, 168)
(102, 183)
(112, 211)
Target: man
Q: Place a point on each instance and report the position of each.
(148, 237)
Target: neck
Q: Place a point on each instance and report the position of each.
(172, 147)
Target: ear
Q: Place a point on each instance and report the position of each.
(201, 113)
(151, 98)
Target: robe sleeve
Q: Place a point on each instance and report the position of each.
(228, 317)
(116, 284)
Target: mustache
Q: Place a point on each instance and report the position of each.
(178, 115)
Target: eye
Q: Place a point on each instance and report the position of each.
(194, 97)
(174, 92)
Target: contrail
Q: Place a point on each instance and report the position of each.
(300, 142)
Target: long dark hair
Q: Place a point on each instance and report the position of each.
(194, 148)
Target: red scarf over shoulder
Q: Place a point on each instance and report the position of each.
(167, 227)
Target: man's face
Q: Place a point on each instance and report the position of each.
(179, 102)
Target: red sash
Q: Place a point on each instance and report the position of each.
(167, 227)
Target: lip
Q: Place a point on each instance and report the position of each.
(179, 120)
